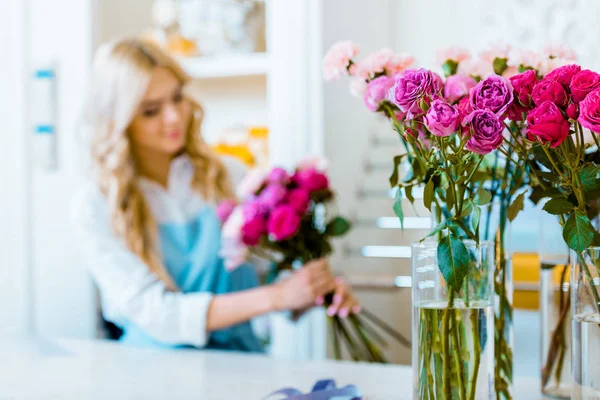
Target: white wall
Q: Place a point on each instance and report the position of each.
(14, 277)
(63, 299)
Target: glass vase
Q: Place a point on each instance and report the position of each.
(453, 332)
(585, 299)
(555, 310)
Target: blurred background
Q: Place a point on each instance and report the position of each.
(257, 66)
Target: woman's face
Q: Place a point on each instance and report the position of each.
(161, 122)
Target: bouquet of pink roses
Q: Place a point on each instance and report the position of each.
(284, 218)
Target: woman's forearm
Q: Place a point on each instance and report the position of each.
(235, 308)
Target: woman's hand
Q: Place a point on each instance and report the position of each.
(302, 289)
(344, 301)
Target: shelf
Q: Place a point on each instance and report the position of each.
(224, 66)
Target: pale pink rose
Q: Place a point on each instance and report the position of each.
(549, 64)
(337, 59)
(560, 51)
(232, 228)
(233, 252)
(475, 67)
(510, 71)
(519, 57)
(251, 183)
(496, 51)
(318, 163)
(458, 54)
(384, 61)
(358, 87)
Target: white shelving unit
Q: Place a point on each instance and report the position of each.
(225, 66)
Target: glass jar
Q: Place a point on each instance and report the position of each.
(453, 332)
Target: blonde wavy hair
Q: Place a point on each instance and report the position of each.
(120, 78)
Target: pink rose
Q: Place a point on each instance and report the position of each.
(464, 108)
(298, 199)
(560, 51)
(510, 72)
(278, 175)
(564, 75)
(573, 111)
(272, 195)
(337, 59)
(254, 208)
(547, 124)
(412, 87)
(497, 51)
(475, 67)
(523, 85)
(457, 54)
(515, 111)
(583, 83)
(590, 112)
(494, 93)
(283, 222)
(458, 86)
(377, 91)
(442, 119)
(526, 59)
(252, 230)
(550, 90)
(486, 131)
(225, 208)
(311, 180)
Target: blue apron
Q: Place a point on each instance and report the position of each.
(191, 255)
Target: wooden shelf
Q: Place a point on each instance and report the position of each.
(224, 66)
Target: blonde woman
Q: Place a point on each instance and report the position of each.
(147, 225)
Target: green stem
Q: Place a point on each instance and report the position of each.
(477, 353)
(460, 368)
(447, 351)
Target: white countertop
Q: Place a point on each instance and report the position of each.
(80, 370)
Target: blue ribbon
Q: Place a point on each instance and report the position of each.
(322, 390)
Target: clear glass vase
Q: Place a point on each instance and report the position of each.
(585, 299)
(555, 310)
(453, 346)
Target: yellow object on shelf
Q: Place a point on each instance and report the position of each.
(240, 152)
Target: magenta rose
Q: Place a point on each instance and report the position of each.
(564, 75)
(523, 85)
(550, 90)
(573, 111)
(458, 86)
(252, 230)
(278, 175)
(486, 131)
(412, 87)
(254, 208)
(272, 195)
(590, 112)
(515, 111)
(283, 222)
(298, 199)
(310, 179)
(442, 119)
(224, 209)
(377, 91)
(547, 124)
(494, 93)
(583, 83)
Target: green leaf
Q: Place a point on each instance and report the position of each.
(450, 67)
(475, 220)
(436, 230)
(516, 206)
(558, 206)
(467, 209)
(453, 260)
(337, 227)
(394, 176)
(428, 194)
(590, 178)
(482, 197)
(540, 156)
(418, 169)
(578, 232)
(409, 195)
(398, 208)
(500, 65)
(450, 198)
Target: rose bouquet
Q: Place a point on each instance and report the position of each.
(284, 218)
